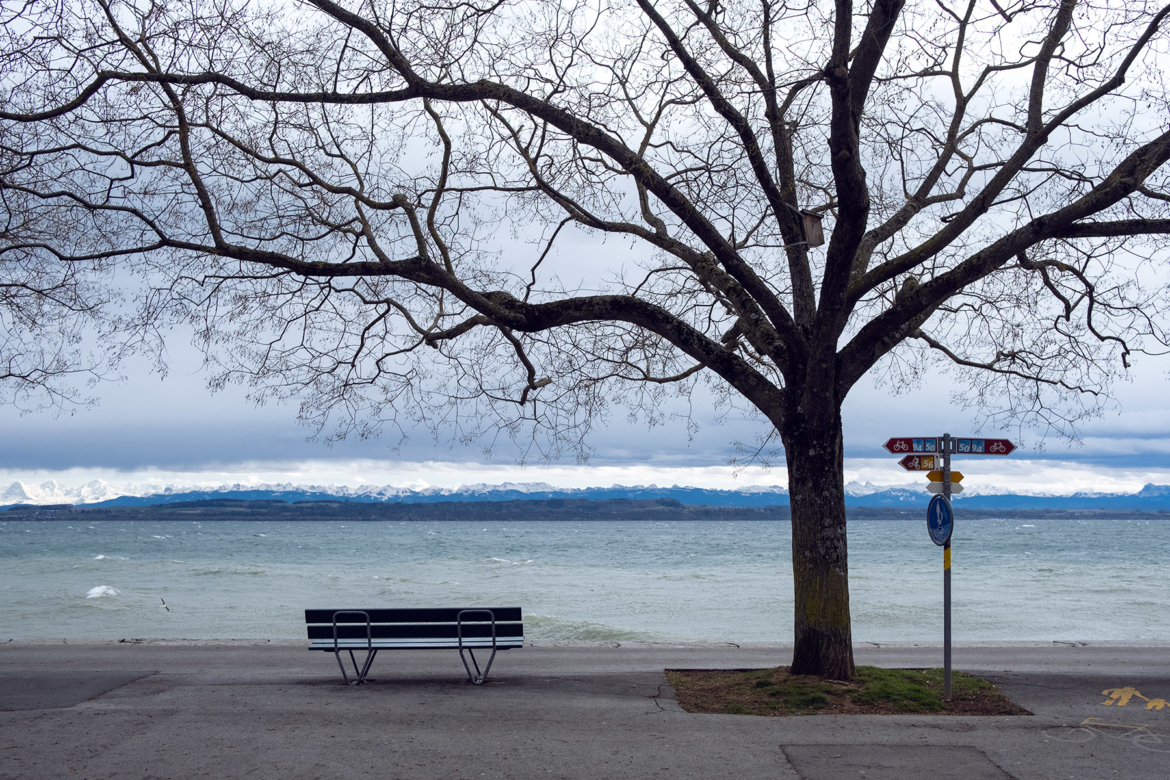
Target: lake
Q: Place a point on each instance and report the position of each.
(580, 581)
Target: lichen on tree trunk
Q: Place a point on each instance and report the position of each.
(820, 561)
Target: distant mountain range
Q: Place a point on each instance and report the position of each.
(101, 494)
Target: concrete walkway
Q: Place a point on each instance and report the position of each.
(169, 710)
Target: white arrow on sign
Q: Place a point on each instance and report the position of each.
(937, 487)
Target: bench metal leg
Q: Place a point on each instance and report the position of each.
(371, 651)
(359, 672)
(478, 678)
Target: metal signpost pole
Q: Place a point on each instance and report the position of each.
(940, 516)
(946, 483)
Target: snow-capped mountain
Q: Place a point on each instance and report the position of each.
(99, 493)
(52, 492)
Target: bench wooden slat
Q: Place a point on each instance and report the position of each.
(420, 643)
(400, 631)
(425, 615)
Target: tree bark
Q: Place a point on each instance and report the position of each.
(820, 565)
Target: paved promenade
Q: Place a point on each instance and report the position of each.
(277, 711)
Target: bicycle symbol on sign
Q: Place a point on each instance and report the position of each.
(997, 447)
(901, 446)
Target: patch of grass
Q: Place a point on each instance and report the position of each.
(906, 690)
(874, 691)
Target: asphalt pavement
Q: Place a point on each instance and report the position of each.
(265, 710)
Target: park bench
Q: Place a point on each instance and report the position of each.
(465, 629)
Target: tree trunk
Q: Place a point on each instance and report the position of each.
(820, 563)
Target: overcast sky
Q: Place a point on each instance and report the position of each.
(173, 431)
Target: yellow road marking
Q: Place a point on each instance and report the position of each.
(1121, 697)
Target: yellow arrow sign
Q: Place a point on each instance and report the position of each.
(936, 476)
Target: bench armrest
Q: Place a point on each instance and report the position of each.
(459, 623)
(369, 627)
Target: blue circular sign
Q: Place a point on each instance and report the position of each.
(940, 520)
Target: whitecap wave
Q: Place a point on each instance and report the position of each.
(109, 558)
(547, 628)
(101, 591)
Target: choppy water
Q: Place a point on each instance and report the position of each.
(688, 581)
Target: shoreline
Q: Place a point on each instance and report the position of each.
(543, 510)
(601, 645)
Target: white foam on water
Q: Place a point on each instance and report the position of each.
(109, 558)
(554, 629)
(101, 591)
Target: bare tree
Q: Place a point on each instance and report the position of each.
(359, 203)
(56, 319)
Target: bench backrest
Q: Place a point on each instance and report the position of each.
(441, 623)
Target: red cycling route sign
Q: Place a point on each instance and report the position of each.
(920, 463)
(906, 445)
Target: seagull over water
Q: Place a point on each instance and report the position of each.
(164, 601)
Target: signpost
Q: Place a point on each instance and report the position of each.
(940, 517)
(946, 499)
